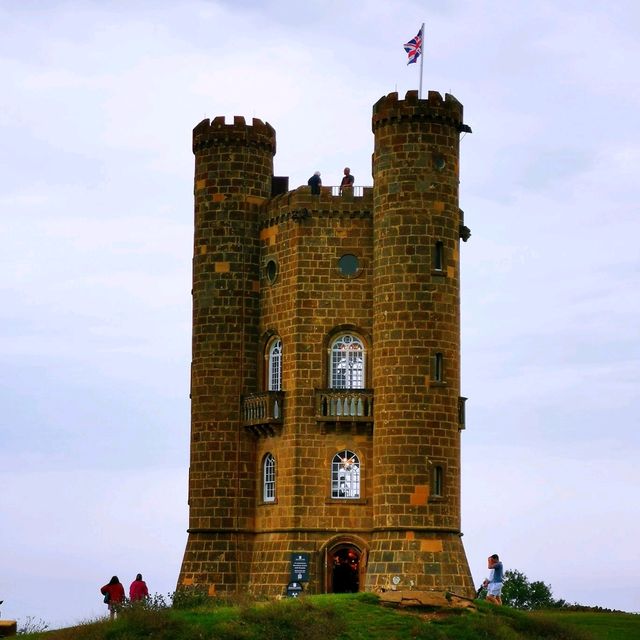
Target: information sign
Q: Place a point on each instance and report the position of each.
(300, 567)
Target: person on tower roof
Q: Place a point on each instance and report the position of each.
(315, 183)
(347, 180)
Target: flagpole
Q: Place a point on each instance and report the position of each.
(421, 60)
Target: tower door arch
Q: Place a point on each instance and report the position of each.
(344, 568)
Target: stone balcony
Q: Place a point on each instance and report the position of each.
(263, 412)
(344, 405)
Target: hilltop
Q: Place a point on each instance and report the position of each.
(348, 617)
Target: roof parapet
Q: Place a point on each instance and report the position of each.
(432, 109)
(216, 132)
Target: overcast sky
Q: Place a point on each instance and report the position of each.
(97, 104)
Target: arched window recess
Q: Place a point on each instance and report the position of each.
(269, 478)
(346, 398)
(263, 410)
(345, 476)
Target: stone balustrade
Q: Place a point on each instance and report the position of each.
(344, 405)
(262, 411)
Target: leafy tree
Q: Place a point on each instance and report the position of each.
(519, 593)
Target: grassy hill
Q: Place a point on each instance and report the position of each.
(349, 617)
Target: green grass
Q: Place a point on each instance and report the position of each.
(601, 625)
(348, 617)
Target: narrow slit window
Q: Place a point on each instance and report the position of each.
(462, 411)
(438, 256)
(438, 368)
(438, 481)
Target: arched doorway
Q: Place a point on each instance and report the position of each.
(344, 569)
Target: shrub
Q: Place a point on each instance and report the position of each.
(32, 625)
(519, 593)
(191, 597)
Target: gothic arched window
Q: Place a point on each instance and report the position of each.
(274, 364)
(347, 369)
(269, 478)
(345, 475)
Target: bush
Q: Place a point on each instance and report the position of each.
(519, 593)
(155, 602)
(191, 597)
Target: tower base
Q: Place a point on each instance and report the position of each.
(261, 564)
(220, 561)
(418, 560)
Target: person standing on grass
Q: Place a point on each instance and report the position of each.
(494, 582)
(138, 589)
(113, 593)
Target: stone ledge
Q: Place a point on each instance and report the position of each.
(438, 599)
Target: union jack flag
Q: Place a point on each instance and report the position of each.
(414, 47)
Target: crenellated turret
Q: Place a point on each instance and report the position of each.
(258, 135)
(234, 167)
(433, 109)
(416, 328)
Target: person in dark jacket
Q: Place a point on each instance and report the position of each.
(113, 592)
(315, 183)
(138, 589)
(347, 180)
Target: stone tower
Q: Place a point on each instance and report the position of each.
(233, 169)
(416, 351)
(325, 382)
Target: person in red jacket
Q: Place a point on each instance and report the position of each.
(114, 595)
(138, 589)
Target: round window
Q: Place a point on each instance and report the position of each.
(439, 162)
(348, 265)
(271, 269)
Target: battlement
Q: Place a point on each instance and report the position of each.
(300, 204)
(216, 132)
(434, 109)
